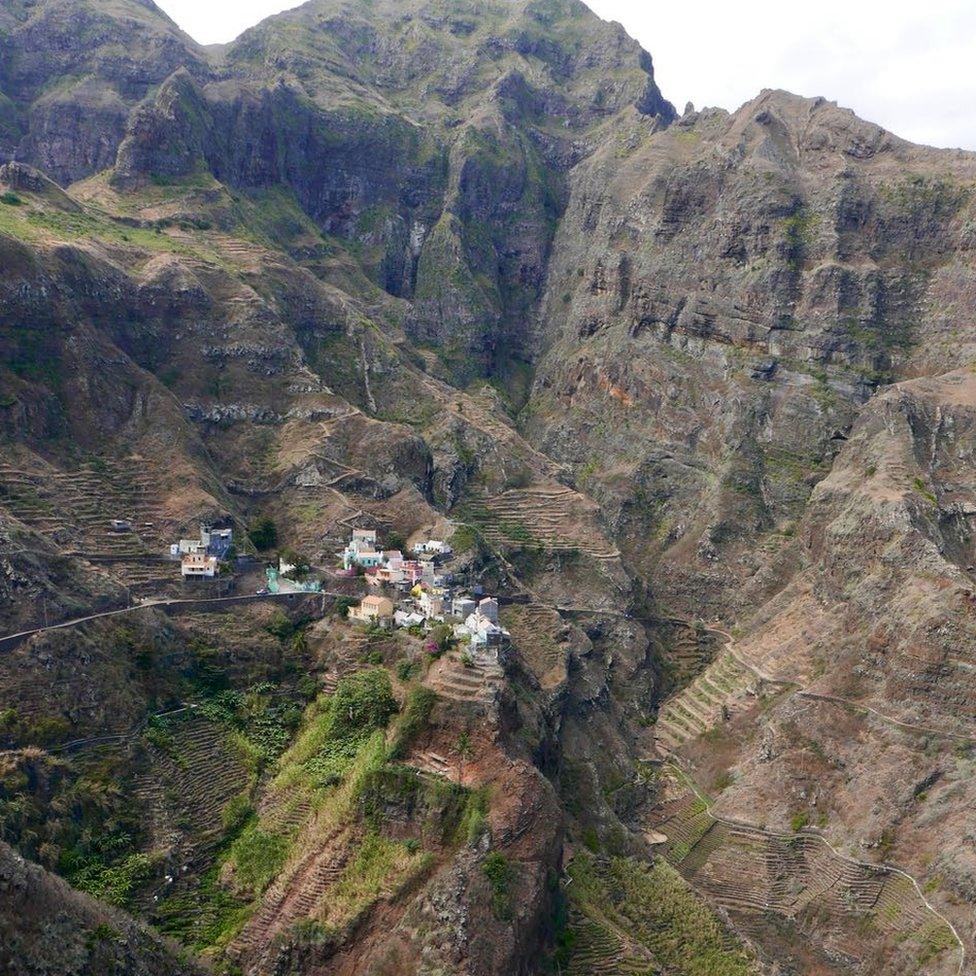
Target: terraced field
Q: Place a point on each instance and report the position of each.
(460, 682)
(535, 629)
(194, 773)
(554, 518)
(74, 508)
(711, 698)
(628, 918)
(747, 870)
(293, 897)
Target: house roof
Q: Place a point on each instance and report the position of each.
(379, 603)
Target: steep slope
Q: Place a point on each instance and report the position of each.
(48, 927)
(722, 298)
(70, 73)
(434, 137)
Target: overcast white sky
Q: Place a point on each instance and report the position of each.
(908, 66)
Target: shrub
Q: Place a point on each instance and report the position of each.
(10, 198)
(416, 715)
(118, 883)
(340, 726)
(263, 533)
(405, 670)
(395, 541)
(280, 626)
(364, 699)
(500, 876)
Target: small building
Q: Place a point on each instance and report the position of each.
(488, 608)
(481, 631)
(411, 572)
(463, 607)
(198, 565)
(361, 550)
(407, 618)
(430, 604)
(217, 542)
(363, 539)
(432, 547)
(373, 610)
(186, 546)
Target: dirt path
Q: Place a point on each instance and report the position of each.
(11, 640)
(729, 646)
(812, 832)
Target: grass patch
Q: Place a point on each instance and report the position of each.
(624, 902)
(258, 857)
(501, 876)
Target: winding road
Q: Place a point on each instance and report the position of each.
(686, 777)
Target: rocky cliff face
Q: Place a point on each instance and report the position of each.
(434, 267)
(71, 73)
(723, 297)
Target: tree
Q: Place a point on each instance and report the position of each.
(395, 541)
(464, 751)
(299, 563)
(263, 533)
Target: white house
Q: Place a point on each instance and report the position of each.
(407, 618)
(482, 631)
(363, 539)
(361, 550)
(462, 606)
(488, 607)
(481, 626)
(432, 547)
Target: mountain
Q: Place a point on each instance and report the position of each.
(691, 395)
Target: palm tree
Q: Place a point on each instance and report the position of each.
(464, 750)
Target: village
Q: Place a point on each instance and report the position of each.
(424, 594)
(412, 591)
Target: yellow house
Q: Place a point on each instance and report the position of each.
(374, 610)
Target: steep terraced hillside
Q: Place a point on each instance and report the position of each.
(692, 396)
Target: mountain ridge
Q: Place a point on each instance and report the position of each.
(460, 271)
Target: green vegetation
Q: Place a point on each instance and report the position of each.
(261, 720)
(796, 231)
(799, 820)
(413, 720)
(629, 909)
(500, 877)
(10, 198)
(258, 857)
(380, 864)
(204, 915)
(236, 813)
(338, 727)
(465, 539)
(263, 533)
(924, 491)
